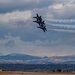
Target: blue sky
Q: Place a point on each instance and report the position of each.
(18, 34)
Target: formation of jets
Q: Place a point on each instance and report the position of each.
(40, 22)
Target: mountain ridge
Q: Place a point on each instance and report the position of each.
(29, 59)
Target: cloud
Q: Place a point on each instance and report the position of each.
(13, 19)
(14, 44)
(13, 5)
(19, 34)
(62, 11)
(57, 6)
(4, 1)
(15, 16)
(9, 5)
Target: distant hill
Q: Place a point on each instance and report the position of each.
(28, 59)
(16, 56)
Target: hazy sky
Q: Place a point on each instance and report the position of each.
(18, 34)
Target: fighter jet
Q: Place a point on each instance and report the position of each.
(42, 26)
(38, 19)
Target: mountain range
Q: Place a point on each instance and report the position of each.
(16, 58)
